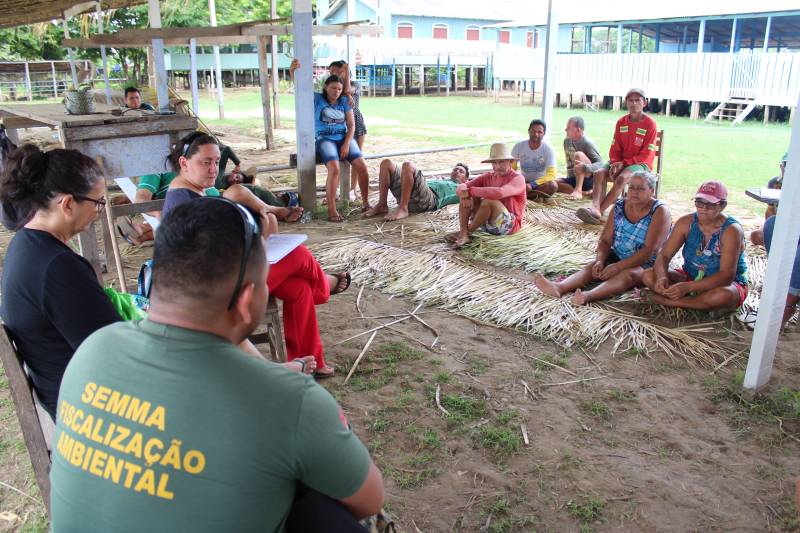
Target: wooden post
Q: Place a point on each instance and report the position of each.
(154, 13)
(551, 48)
(394, 79)
(55, 80)
(617, 103)
(273, 42)
(422, 80)
(694, 113)
(263, 76)
(449, 78)
(70, 54)
(193, 75)
(668, 107)
(100, 30)
(455, 78)
(212, 9)
(569, 101)
(471, 78)
(233, 73)
(304, 104)
(345, 171)
(779, 270)
(732, 48)
(28, 87)
(766, 34)
(405, 79)
(766, 115)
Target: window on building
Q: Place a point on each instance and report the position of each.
(473, 33)
(529, 39)
(578, 45)
(405, 30)
(440, 31)
(504, 36)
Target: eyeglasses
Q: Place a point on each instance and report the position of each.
(250, 230)
(98, 204)
(700, 204)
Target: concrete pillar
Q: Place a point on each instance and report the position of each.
(263, 76)
(100, 30)
(154, 14)
(304, 104)
(455, 79)
(28, 86)
(273, 41)
(550, 64)
(668, 108)
(766, 34)
(569, 101)
(694, 113)
(193, 76)
(422, 80)
(55, 80)
(616, 103)
(766, 115)
(701, 37)
(733, 36)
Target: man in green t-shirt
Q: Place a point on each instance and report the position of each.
(165, 424)
(414, 194)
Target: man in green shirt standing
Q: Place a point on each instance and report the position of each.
(165, 424)
(414, 194)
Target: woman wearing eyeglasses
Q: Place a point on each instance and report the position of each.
(714, 269)
(297, 279)
(52, 299)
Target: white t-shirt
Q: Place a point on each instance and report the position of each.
(534, 163)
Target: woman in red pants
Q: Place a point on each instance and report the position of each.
(297, 279)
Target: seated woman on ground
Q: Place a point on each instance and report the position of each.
(52, 299)
(297, 279)
(714, 269)
(628, 244)
(334, 128)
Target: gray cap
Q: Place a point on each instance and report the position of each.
(636, 90)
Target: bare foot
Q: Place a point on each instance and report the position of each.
(546, 286)
(451, 237)
(377, 210)
(576, 194)
(579, 298)
(397, 214)
(462, 241)
(294, 214)
(306, 365)
(280, 212)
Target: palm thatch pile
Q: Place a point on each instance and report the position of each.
(433, 280)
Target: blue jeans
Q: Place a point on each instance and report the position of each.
(794, 281)
(328, 150)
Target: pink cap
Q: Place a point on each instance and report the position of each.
(712, 191)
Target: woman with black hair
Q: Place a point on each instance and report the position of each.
(52, 299)
(297, 279)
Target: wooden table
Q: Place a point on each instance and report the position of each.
(133, 144)
(763, 194)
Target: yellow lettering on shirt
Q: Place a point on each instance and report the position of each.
(88, 392)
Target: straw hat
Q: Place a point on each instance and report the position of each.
(499, 152)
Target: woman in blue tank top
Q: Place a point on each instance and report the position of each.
(628, 244)
(714, 269)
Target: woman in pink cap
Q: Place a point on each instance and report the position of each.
(714, 270)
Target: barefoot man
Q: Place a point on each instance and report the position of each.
(494, 201)
(414, 194)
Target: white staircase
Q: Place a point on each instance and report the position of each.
(733, 109)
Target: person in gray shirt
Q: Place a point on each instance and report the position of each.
(583, 160)
(537, 162)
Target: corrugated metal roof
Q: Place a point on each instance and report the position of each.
(588, 11)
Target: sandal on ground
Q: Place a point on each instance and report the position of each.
(588, 216)
(324, 375)
(127, 231)
(335, 218)
(341, 276)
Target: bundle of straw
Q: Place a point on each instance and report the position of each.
(508, 302)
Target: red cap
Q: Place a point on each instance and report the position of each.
(712, 191)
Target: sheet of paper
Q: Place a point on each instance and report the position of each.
(279, 246)
(770, 194)
(129, 188)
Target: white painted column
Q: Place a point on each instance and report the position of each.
(779, 269)
(100, 30)
(351, 43)
(733, 36)
(193, 76)
(766, 34)
(701, 36)
(455, 79)
(28, 86)
(273, 41)
(212, 9)
(619, 38)
(55, 79)
(70, 54)
(263, 76)
(550, 67)
(154, 13)
(304, 104)
(422, 80)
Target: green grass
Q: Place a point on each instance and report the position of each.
(586, 510)
(742, 156)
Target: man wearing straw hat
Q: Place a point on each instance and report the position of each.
(493, 202)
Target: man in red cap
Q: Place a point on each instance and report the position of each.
(633, 149)
(714, 269)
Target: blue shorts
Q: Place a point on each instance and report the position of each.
(588, 182)
(328, 150)
(794, 281)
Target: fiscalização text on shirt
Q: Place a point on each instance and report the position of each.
(147, 459)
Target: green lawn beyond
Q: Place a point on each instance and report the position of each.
(742, 156)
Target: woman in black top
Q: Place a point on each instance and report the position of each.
(51, 300)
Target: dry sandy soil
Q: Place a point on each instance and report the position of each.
(651, 445)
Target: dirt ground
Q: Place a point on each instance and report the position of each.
(525, 435)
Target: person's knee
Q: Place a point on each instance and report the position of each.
(580, 157)
(386, 166)
(408, 169)
(549, 187)
(333, 169)
(757, 237)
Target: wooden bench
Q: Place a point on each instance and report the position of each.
(24, 403)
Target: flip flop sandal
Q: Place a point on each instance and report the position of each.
(126, 229)
(336, 218)
(339, 277)
(586, 216)
(318, 375)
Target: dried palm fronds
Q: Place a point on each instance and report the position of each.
(508, 302)
(535, 249)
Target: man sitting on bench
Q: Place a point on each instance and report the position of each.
(166, 422)
(413, 193)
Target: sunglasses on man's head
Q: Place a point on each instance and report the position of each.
(250, 230)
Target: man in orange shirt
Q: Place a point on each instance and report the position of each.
(633, 149)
